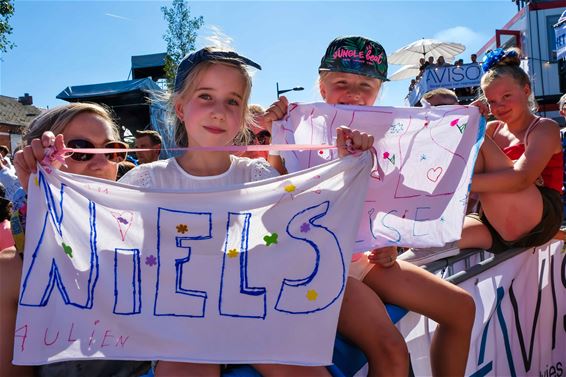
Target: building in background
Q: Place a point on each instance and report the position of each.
(15, 113)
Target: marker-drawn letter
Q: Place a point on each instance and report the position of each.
(314, 292)
(171, 297)
(237, 298)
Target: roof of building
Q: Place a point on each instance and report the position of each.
(13, 113)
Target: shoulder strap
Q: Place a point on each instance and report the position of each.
(530, 128)
(499, 123)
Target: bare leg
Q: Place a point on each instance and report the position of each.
(448, 305)
(504, 208)
(174, 369)
(280, 370)
(474, 234)
(364, 320)
(10, 276)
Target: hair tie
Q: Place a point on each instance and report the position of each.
(492, 57)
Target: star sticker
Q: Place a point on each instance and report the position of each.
(423, 157)
(305, 228)
(182, 228)
(232, 253)
(442, 220)
(151, 260)
(290, 188)
(311, 295)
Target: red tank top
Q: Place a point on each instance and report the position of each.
(553, 171)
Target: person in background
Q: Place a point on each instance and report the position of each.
(8, 176)
(519, 169)
(255, 133)
(440, 62)
(439, 97)
(124, 167)
(6, 238)
(148, 139)
(474, 59)
(4, 151)
(430, 61)
(412, 85)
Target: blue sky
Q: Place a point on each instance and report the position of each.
(66, 43)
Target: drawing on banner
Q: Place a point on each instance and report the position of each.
(420, 183)
(101, 280)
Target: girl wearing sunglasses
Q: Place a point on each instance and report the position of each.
(83, 126)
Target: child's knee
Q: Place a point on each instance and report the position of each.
(391, 347)
(466, 310)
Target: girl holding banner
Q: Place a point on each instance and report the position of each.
(519, 170)
(83, 126)
(352, 72)
(212, 88)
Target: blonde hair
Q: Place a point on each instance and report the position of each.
(190, 85)
(509, 66)
(443, 93)
(57, 119)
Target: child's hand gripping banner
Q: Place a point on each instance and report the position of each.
(419, 191)
(240, 274)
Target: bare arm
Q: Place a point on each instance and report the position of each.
(543, 142)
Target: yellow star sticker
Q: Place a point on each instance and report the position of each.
(36, 181)
(290, 188)
(182, 228)
(232, 253)
(312, 295)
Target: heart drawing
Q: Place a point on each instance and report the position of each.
(124, 220)
(434, 173)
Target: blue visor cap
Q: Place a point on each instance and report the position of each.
(191, 60)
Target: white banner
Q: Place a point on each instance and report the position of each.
(452, 76)
(241, 274)
(425, 157)
(520, 327)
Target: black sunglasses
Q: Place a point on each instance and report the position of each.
(81, 156)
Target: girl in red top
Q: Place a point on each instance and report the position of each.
(518, 173)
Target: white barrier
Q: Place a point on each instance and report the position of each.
(520, 327)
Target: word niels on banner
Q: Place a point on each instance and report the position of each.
(419, 189)
(239, 274)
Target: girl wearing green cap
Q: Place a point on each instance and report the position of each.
(352, 72)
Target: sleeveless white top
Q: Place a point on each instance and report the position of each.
(168, 174)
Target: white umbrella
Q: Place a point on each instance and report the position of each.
(424, 48)
(405, 72)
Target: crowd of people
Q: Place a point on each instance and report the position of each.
(518, 174)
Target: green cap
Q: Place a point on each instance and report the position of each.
(357, 55)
